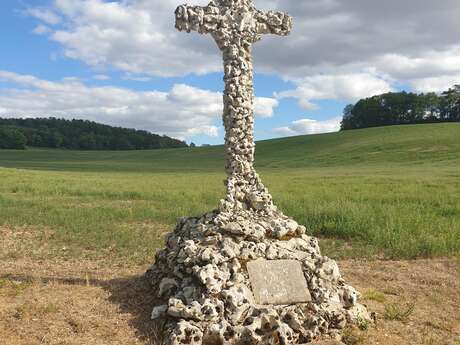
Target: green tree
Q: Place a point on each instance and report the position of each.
(396, 108)
(80, 134)
(431, 104)
(11, 138)
(450, 104)
(87, 141)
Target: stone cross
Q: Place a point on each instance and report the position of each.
(235, 25)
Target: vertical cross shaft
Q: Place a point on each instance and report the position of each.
(244, 187)
(236, 25)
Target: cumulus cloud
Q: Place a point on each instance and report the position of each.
(101, 77)
(357, 48)
(137, 37)
(347, 87)
(340, 32)
(41, 29)
(434, 71)
(264, 106)
(182, 112)
(436, 84)
(46, 15)
(129, 76)
(308, 126)
(429, 64)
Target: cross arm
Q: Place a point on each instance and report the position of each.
(271, 22)
(196, 18)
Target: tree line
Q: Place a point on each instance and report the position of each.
(78, 135)
(398, 108)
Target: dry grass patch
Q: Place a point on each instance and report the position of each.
(70, 303)
(352, 336)
(11, 287)
(421, 300)
(25, 242)
(98, 303)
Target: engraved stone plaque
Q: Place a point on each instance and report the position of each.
(278, 282)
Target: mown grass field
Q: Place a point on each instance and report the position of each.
(390, 192)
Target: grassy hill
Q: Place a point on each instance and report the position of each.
(407, 145)
(389, 191)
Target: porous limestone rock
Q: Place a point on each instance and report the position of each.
(210, 296)
(201, 276)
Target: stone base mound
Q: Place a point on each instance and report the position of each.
(250, 281)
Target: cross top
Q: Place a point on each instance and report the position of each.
(239, 17)
(235, 25)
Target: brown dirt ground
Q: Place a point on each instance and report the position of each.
(68, 302)
(89, 303)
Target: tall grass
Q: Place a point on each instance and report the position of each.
(401, 205)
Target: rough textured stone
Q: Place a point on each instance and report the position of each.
(202, 277)
(278, 282)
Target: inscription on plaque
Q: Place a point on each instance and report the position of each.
(278, 282)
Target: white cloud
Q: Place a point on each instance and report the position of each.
(211, 131)
(41, 30)
(428, 64)
(182, 112)
(435, 84)
(129, 76)
(346, 87)
(46, 15)
(137, 37)
(101, 77)
(334, 34)
(308, 126)
(71, 79)
(264, 107)
(338, 49)
(434, 71)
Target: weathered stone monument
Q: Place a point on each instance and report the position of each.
(245, 273)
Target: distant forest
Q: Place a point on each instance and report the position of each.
(403, 108)
(78, 135)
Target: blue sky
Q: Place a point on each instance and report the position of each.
(123, 63)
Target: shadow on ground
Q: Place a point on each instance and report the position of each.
(133, 295)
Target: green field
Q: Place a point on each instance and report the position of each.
(391, 192)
